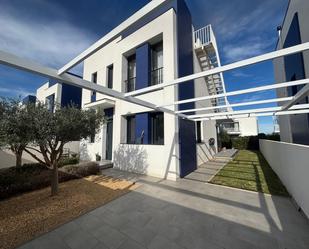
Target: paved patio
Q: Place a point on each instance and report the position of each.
(183, 214)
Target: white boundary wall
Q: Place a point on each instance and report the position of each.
(291, 163)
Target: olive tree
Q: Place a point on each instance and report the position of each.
(14, 126)
(51, 131)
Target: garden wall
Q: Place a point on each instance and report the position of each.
(291, 163)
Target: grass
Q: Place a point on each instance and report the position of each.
(249, 170)
(29, 215)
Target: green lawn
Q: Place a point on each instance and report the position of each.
(249, 170)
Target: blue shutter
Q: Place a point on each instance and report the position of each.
(142, 66)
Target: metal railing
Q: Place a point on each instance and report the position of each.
(202, 36)
(130, 84)
(156, 76)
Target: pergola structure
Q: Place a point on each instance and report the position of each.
(289, 103)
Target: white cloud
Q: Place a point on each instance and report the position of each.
(52, 43)
(16, 92)
(247, 49)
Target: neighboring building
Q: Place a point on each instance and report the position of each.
(294, 31)
(55, 94)
(160, 46)
(239, 127)
(29, 99)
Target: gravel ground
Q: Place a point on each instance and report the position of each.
(29, 215)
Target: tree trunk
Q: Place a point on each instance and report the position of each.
(18, 156)
(54, 179)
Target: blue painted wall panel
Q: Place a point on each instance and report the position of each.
(143, 66)
(71, 94)
(187, 141)
(29, 99)
(141, 127)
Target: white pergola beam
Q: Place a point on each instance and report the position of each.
(111, 35)
(265, 114)
(243, 63)
(239, 92)
(258, 102)
(29, 66)
(248, 112)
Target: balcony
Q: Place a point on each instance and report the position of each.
(203, 36)
(156, 76)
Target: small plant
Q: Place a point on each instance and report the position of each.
(97, 157)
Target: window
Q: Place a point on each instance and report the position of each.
(231, 126)
(92, 138)
(50, 102)
(198, 132)
(130, 83)
(145, 128)
(110, 72)
(157, 64)
(156, 128)
(94, 78)
(131, 129)
(294, 64)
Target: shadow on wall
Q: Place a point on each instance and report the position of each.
(84, 155)
(132, 158)
(205, 153)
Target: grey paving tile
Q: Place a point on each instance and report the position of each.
(131, 244)
(114, 219)
(100, 245)
(160, 242)
(141, 235)
(109, 236)
(80, 239)
(67, 228)
(47, 241)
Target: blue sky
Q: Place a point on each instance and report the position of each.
(53, 32)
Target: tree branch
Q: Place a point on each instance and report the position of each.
(35, 157)
(28, 147)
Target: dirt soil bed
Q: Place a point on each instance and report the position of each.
(29, 215)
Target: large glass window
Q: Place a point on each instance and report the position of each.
(145, 128)
(130, 83)
(94, 78)
(110, 76)
(157, 64)
(294, 64)
(156, 128)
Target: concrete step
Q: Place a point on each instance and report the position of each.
(105, 164)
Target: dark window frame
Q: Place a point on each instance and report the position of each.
(50, 102)
(131, 79)
(156, 72)
(110, 76)
(155, 129)
(94, 79)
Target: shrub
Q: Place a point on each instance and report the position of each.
(82, 169)
(68, 161)
(29, 177)
(246, 143)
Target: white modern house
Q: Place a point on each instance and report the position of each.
(158, 47)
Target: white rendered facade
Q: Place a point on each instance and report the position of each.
(156, 160)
